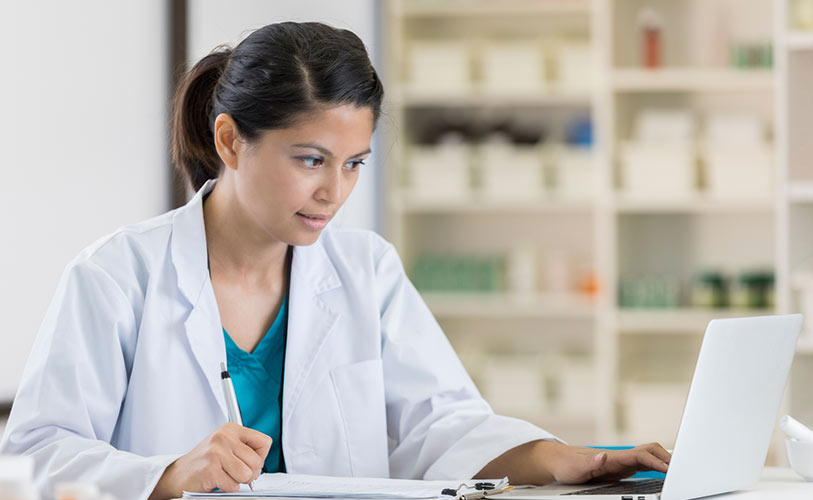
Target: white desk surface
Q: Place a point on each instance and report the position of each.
(775, 484)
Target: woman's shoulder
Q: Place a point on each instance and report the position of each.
(131, 250)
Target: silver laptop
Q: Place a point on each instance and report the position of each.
(727, 422)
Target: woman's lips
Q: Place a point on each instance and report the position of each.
(316, 222)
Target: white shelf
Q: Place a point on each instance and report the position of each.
(697, 204)
(480, 99)
(691, 79)
(475, 206)
(490, 9)
(799, 40)
(502, 305)
(801, 192)
(669, 321)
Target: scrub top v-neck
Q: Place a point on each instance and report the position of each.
(257, 379)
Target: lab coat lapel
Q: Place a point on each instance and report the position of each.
(310, 319)
(189, 256)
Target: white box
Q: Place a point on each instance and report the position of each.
(440, 172)
(575, 67)
(510, 172)
(439, 67)
(730, 129)
(575, 173)
(653, 410)
(664, 126)
(744, 172)
(658, 171)
(512, 66)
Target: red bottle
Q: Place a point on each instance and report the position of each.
(651, 43)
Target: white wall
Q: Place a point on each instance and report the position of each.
(215, 22)
(83, 142)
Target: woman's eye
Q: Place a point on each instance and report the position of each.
(355, 164)
(312, 161)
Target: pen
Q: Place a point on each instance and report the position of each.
(231, 402)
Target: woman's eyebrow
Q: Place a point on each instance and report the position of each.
(326, 151)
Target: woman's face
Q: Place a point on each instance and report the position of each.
(292, 181)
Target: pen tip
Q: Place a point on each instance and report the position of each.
(222, 366)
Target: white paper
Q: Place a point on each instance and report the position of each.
(300, 486)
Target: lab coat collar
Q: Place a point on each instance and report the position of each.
(188, 246)
(202, 325)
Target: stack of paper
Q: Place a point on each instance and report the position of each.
(279, 485)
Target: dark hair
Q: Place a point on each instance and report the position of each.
(268, 81)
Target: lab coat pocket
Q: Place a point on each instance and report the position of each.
(360, 393)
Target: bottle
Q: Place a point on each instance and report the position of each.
(651, 26)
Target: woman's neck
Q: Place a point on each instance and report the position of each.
(238, 248)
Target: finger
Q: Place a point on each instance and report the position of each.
(258, 441)
(227, 483)
(596, 465)
(250, 457)
(659, 451)
(237, 470)
(652, 462)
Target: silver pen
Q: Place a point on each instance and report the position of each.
(231, 402)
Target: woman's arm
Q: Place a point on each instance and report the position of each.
(542, 462)
(438, 424)
(70, 396)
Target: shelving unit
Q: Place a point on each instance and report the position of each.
(691, 79)
(609, 235)
(794, 67)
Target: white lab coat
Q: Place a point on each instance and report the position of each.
(124, 375)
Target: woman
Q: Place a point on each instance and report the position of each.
(339, 367)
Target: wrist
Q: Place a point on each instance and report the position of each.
(548, 454)
(165, 487)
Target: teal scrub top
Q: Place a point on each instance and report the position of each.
(257, 379)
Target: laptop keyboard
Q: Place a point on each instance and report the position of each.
(642, 486)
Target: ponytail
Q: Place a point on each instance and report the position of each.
(193, 147)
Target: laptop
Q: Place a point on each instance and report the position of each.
(727, 422)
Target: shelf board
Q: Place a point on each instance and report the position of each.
(701, 203)
(684, 320)
(489, 9)
(482, 99)
(501, 305)
(691, 79)
(799, 40)
(475, 206)
(801, 192)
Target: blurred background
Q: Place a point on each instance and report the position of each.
(575, 186)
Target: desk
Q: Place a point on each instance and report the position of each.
(775, 484)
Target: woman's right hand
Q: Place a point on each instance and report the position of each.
(230, 456)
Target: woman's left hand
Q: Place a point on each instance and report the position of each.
(540, 462)
(573, 465)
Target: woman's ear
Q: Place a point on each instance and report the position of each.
(227, 140)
